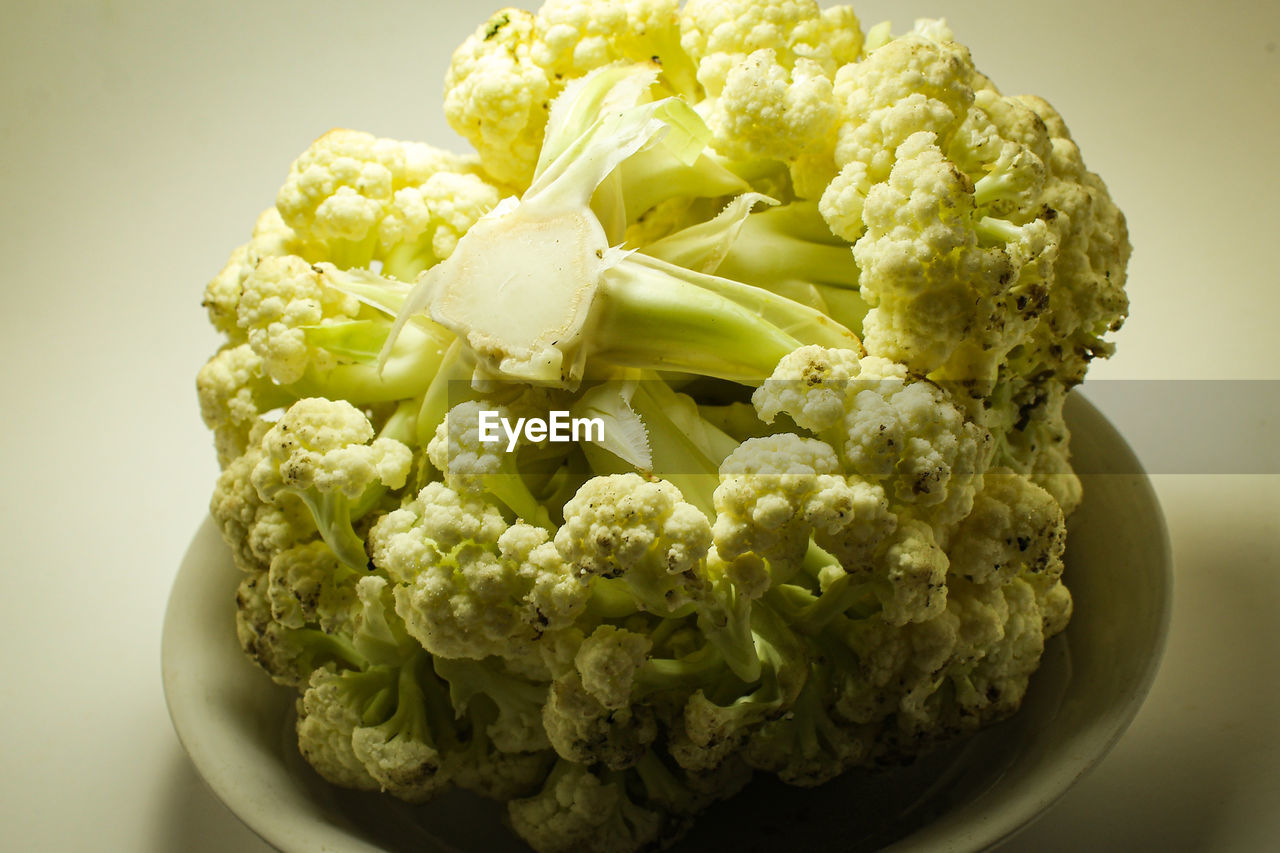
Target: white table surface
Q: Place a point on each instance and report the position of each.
(138, 140)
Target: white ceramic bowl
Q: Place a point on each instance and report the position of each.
(237, 726)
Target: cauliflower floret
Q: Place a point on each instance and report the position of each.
(915, 83)
(906, 435)
(292, 620)
(991, 686)
(767, 111)
(808, 745)
(592, 715)
(499, 775)
(401, 752)
(397, 754)
(941, 185)
(379, 712)
(577, 36)
(281, 652)
(1054, 600)
(424, 223)
(938, 297)
(335, 190)
(767, 71)
(437, 523)
(320, 451)
(319, 330)
(607, 662)
(271, 238)
(498, 98)
(1026, 416)
(328, 446)
(641, 531)
(307, 584)
(811, 385)
(843, 200)
(584, 731)
(964, 205)
(895, 664)
(906, 432)
(256, 529)
(279, 299)
(912, 84)
(467, 584)
(353, 198)
(576, 811)
(718, 34)
(962, 668)
(707, 735)
(1015, 527)
(1087, 299)
(910, 577)
(329, 712)
(234, 392)
(502, 79)
(1003, 145)
(774, 493)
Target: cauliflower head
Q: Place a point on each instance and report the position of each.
(704, 420)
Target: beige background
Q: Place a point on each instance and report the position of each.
(138, 140)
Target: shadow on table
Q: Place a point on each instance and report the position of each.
(1201, 754)
(195, 821)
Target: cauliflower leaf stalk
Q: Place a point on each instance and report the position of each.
(569, 295)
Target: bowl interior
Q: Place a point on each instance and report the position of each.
(237, 726)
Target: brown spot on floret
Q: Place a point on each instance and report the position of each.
(495, 25)
(415, 776)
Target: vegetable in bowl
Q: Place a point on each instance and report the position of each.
(821, 292)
